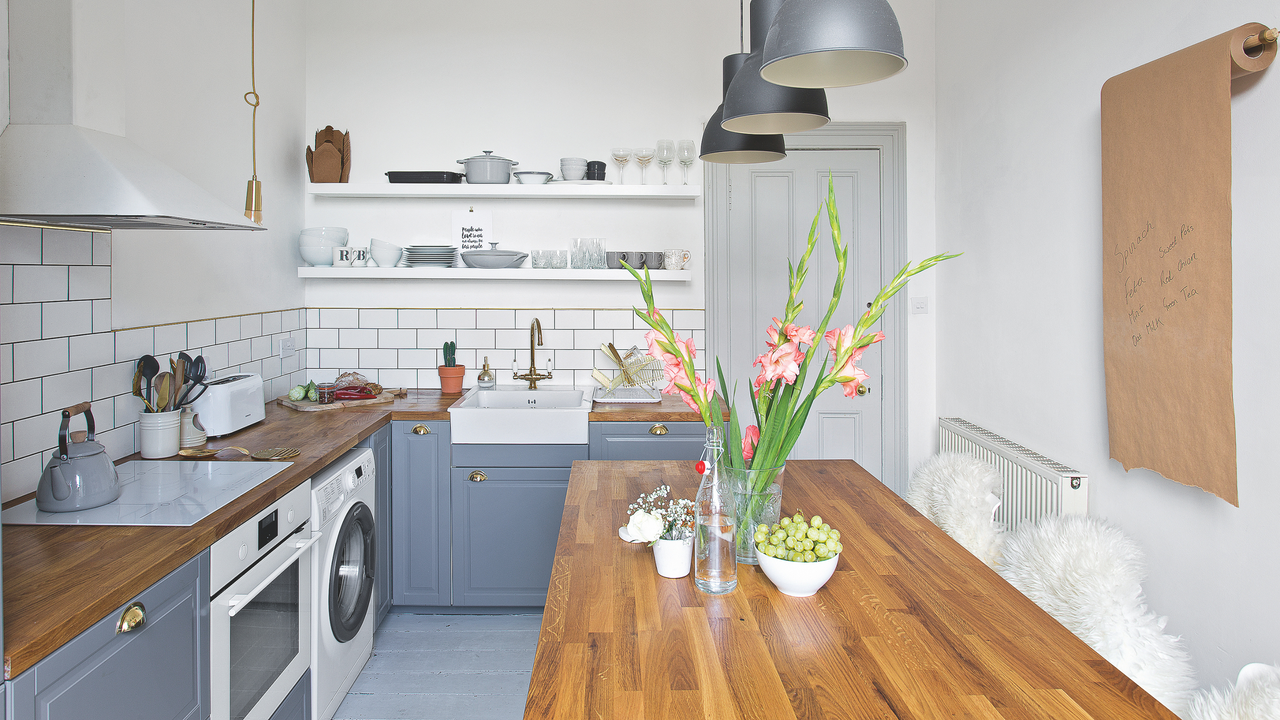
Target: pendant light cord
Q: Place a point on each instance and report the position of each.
(742, 23)
(251, 97)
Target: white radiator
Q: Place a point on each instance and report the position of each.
(1034, 485)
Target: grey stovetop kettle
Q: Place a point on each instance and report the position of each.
(81, 475)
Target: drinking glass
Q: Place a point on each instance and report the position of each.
(686, 152)
(666, 154)
(620, 156)
(643, 156)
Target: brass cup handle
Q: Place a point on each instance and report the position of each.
(477, 476)
(658, 429)
(133, 617)
(421, 429)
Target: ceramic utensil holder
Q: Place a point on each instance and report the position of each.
(159, 434)
(191, 434)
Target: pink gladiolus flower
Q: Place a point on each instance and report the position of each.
(750, 438)
(704, 389)
(850, 375)
(693, 349)
(800, 335)
(688, 400)
(772, 332)
(783, 362)
(839, 339)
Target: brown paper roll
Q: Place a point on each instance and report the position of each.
(1166, 284)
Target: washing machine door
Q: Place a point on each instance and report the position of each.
(351, 573)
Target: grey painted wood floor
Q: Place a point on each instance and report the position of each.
(446, 667)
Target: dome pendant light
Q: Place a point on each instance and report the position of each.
(725, 147)
(832, 43)
(755, 105)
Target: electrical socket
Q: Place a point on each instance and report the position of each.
(920, 306)
(288, 346)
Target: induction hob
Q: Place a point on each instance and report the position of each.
(159, 492)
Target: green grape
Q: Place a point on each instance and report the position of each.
(839, 548)
(821, 550)
(761, 537)
(775, 527)
(807, 544)
(826, 527)
(798, 517)
(784, 521)
(802, 527)
(816, 521)
(791, 543)
(778, 538)
(823, 536)
(812, 534)
(762, 527)
(834, 535)
(809, 556)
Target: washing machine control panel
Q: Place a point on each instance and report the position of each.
(331, 492)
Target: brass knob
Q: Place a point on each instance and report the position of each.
(134, 616)
(421, 429)
(477, 476)
(863, 389)
(658, 429)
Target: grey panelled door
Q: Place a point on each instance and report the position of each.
(771, 209)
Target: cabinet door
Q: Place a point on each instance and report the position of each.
(647, 441)
(158, 671)
(420, 513)
(505, 528)
(380, 441)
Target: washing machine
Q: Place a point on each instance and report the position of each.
(342, 509)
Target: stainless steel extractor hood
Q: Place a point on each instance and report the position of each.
(55, 168)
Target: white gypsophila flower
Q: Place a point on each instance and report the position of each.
(645, 526)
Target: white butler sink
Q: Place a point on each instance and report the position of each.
(516, 415)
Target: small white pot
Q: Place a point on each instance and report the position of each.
(673, 557)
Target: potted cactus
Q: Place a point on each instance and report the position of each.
(451, 372)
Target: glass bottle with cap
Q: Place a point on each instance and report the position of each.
(486, 380)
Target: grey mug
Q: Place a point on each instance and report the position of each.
(652, 260)
(615, 259)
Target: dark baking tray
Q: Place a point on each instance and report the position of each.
(424, 176)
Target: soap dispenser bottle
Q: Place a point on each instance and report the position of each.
(485, 380)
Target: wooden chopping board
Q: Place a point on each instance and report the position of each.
(308, 406)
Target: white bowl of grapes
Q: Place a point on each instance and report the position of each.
(798, 555)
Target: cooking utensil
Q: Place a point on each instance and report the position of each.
(137, 388)
(280, 453)
(164, 390)
(81, 475)
(209, 452)
(194, 376)
(488, 169)
(149, 367)
(622, 365)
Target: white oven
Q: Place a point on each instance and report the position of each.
(260, 614)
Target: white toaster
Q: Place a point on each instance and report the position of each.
(230, 403)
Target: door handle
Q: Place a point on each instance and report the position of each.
(863, 389)
(133, 617)
(658, 429)
(477, 476)
(238, 602)
(421, 429)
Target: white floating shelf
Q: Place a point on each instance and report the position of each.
(421, 273)
(563, 191)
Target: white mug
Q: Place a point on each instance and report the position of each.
(674, 258)
(342, 256)
(359, 256)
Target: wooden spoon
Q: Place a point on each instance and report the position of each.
(208, 452)
(164, 390)
(137, 388)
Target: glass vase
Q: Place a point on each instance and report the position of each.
(758, 495)
(715, 568)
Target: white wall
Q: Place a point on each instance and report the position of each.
(186, 69)
(1019, 343)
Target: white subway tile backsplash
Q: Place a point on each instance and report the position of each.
(496, 319)
(101, 315)
(398, 378)
(436, 338)
(60, 319)
(113, 379)
(291, 364)
(133, 344)
(456, 319)
(215, 356)
(339, 318)
(625, 339)
(6, 283)
(379, 358)
(270, 323)
(260, 347)
(90, 351)
(201, 333)
(339, 358)
(575, 319)
(67, 389)
(406, 338)
(66, 247)
(417, 318)
(467, 358)
(19, 322)
(89, 283)
(250, 326)
(572, 359)
(475, 339)
(313, 317)
(39, 283)
(6, 363)
(21, 400)
(249, 368)
(513, 338)
(616, 319)
(171, 339)
(19, 245)
(238, 353)
(592, 339)
(104, 414)
(36, 434)
(270, 367)
(119, 441)
(128, 407)
(313, 358)
(422, 358)
(6, 443)
(545, 316)
(102, 248)
(322, 338)
(40, 357)
(378, 318)
(555, 339)
(691, 319)
(357, 338)
(227, 330)
(20, 477)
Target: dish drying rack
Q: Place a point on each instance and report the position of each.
(635, 380)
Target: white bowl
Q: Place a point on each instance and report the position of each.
(330, 236)
(532, 178)
(376, 243)
(797, 579)
(317, 256)
(573, 161)
(384, 256)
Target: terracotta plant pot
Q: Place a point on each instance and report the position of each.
(451, 378)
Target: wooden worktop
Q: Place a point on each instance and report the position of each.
(910, 626)
(59, 580)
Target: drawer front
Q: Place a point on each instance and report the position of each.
(560, 456)
(647, 441)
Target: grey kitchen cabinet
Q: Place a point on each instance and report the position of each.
(507, 504)
(297, 704)
(420, 513)
(380, 442)
(647, 440)
(159, 670)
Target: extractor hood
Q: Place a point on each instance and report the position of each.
(64, 159)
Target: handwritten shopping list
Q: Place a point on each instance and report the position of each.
(1156, 269)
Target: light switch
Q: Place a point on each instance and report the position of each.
(287, 347)
(920, 306)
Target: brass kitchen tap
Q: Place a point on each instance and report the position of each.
(533, 376)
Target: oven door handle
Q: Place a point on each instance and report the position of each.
(237, 602)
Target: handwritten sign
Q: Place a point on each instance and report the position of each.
(472, 229)
(1166, 257)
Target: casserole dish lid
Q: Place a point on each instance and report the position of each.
(488, 156)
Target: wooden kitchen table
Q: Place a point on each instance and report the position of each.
(910, 626)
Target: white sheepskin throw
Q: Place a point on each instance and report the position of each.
(1088, 575)
(960, 494)
(1256, 696)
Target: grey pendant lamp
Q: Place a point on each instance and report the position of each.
(832, 43)
(731, 148)
(755, 105)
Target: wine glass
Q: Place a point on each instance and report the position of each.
(621, 156)
(643, 156)
(686, 152)
(666, 154)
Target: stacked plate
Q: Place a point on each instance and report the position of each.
(429, 256)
